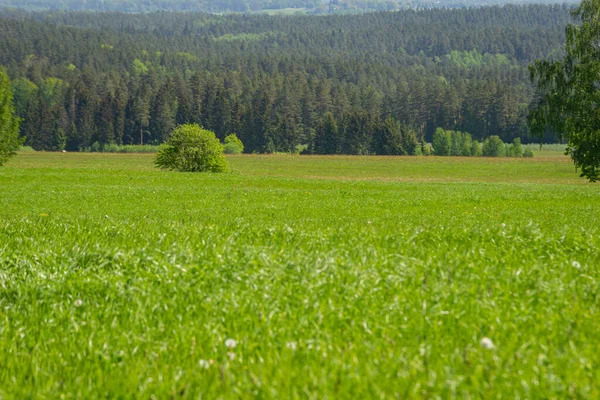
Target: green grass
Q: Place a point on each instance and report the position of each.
(117, 279)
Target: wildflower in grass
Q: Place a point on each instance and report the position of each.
(231, 355)
(204, 364)
(230, 343)
(78, 303)
(291, 345)
(487, 343)
(576, 264)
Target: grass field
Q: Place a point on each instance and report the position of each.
(337, 277)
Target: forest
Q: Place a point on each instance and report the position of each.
(340, 84)
(244, 6)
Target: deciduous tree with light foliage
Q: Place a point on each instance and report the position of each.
(9, 123)
(192, 149)
(569, 91)
(233, 145)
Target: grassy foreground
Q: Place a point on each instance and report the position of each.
(338, 277)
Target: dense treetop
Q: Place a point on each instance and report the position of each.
(279, 82)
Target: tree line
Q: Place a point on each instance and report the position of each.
(243, 6)
(378, 83)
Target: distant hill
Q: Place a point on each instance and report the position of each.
(271, 6)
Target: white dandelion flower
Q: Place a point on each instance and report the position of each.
(230, 343)
(231, 355)
(487, 343)
(291, 345)
(78, 303)
(576, 264)
(204, 364)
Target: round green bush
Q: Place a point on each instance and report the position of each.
(528, 153)
(192, 149)
(233, 145)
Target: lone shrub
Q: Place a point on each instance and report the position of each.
(192, 149)
(233, 145)
(528, 153)
(493, 147)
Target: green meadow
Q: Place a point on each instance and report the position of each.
(298, 277)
